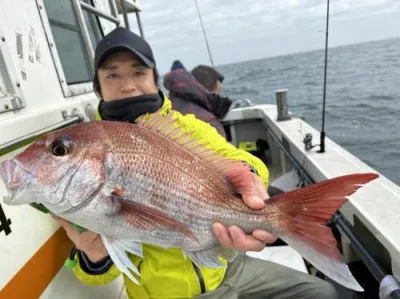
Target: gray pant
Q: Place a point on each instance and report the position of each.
(253, 278)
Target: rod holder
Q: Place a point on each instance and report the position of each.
(282, 105)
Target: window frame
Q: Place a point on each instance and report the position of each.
(72, 89)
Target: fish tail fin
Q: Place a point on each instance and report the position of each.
(302, 218)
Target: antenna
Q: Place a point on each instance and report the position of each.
(322, 141)
(204, 33)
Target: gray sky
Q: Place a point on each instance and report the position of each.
(249, 29)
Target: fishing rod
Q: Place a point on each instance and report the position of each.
(308, 137)
(204, 33)
(322, 137)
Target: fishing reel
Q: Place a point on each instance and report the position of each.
(307, 140)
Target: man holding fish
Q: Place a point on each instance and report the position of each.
(150, 181)
(124, 97)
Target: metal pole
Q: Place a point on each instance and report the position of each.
(139, 23)
(204, 33)
(122, 2)
(282, 105)
(83, 27)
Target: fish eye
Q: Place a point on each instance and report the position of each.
(61, 146)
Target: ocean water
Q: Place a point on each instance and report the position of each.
(362, 100)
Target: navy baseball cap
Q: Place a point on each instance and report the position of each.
(123, 39)
(176, 65)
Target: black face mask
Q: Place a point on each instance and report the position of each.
(129, 109)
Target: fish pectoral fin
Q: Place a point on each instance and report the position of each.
(210, 257)
(132, 247)
(144, 217)
(117, 251)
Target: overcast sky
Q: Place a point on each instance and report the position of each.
(240, 30)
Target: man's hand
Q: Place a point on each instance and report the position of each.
(89, 242)
(234, 237)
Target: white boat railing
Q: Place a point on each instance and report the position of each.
(68, 121)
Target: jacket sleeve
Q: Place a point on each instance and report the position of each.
(102, 272)
(208, 135)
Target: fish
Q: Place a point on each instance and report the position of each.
(152, 182)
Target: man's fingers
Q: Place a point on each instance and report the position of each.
(254, 202)
(264, 236)
(260, 188)
(82, 240)
(72, 233)
(65, 224)
(85, 239)
(222, 235)
(244, 242)
(61, 221)
(256, 198)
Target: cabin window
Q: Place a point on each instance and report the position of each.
(69, 41)
(73, 57)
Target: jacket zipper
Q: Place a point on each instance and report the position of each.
(200, 277)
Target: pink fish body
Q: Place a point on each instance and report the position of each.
(152, 183)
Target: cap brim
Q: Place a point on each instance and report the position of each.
(118, 48)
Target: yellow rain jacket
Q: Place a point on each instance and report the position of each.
(165, 273)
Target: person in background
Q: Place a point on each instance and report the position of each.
(212, 80)
(188, 96)
(209, 78)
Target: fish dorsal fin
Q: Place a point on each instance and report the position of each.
(165, 125)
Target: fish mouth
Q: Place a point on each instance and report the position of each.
(14, 178)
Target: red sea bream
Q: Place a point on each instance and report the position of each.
(151, 183)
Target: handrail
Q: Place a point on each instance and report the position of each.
(84, 29)
(114, 10)
(139, 23)
(123, 8)
(5, 147)
(99, 13)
